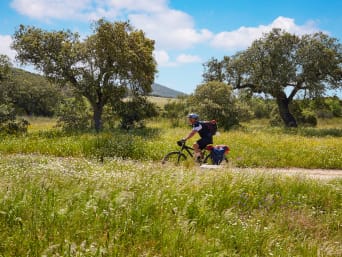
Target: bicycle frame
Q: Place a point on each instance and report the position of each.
(181, 154)
(188, 149)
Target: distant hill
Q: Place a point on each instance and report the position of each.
(163, 91)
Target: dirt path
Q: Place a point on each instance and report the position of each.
(313, 173)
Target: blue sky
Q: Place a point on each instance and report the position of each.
(187, 32)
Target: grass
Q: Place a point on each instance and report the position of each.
(161, 101)
(40, 123)
(58, 199)
(252, 146)
(52, 206)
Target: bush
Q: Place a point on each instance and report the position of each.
(262, 107)
(307, 118)
(275, 119)
(215, 100)
(8, 122)
(74, 114)
(134, 111)
(175, 111)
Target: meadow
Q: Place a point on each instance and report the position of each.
(107, 194)
(252, 145)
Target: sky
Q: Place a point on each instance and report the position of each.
(187, 33)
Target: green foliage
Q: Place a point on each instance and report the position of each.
(74, 115)
(175, 111)
(281, 64)
(134, 111)
(7, 113)
(262, 107)
(304, 116)
(101, 68)
(335, 105)
(215, 100)
(307, 118)
(5, 65)
(275, 119)
(29, 93)
(32, 94)
(327, 107)
(8, 122)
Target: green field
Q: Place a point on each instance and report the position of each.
(253, 145)
(58, 199)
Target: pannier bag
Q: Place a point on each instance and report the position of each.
(218, 153)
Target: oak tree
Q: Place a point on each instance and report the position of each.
(281, 65)
(103, 67)
(215, 100)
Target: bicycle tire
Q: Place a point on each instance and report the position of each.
(175, 157)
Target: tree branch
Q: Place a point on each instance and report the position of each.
(296, 88)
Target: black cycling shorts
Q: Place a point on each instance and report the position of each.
(204, 141)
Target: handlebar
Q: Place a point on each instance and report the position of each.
(181, 142)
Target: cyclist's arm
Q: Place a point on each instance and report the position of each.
(193, 131)
(191, 134)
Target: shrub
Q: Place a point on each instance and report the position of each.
(275, 119)
(307, 118)
(215, 100)
(8, 122)
(134, 111)
(175, 111)
(74, 114)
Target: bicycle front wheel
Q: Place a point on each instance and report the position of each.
(174, 158)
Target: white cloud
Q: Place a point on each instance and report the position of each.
(244, 36)
(162, 57)
(85, 9)
(171, 29)
(139, 5)
(5, 42)
(187, 58)
(46, 10)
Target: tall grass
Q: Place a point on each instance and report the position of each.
(53, 206)
(267, 149)
(251, 146)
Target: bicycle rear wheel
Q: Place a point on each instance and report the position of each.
(174, 158)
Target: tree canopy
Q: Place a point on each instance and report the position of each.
(215, 100)
(281, 64)
(103, 67)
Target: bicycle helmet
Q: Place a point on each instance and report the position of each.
(193, 116)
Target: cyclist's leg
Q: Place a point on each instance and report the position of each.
(197, 150)
(202, 143)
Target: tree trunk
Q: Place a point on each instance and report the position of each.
(98, 108)
(283, 106)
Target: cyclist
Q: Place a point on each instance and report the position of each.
(204, 133)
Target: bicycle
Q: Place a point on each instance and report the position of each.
(177, 157)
